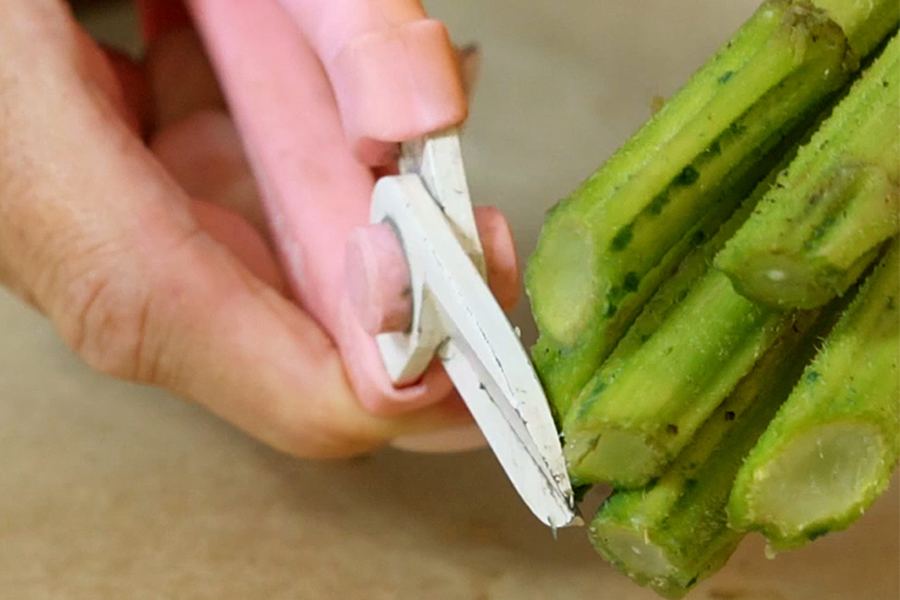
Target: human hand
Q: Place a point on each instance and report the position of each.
(154, 263)
(322, 92)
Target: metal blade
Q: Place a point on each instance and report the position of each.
(538, 483)
(491, 370)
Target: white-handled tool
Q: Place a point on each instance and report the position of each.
(431, 300)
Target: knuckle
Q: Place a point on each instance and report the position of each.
(118, 308)
(105, 318)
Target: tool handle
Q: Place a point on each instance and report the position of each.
(456, 316)
(378, 277)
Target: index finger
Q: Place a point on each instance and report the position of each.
(394, 71)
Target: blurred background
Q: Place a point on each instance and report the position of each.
(115, 491)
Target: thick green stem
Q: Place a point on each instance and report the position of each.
(604, 250)
(865, 22)
(583, 448)
(673, 533)
(638, 414)
(832, 448)
(823, 223)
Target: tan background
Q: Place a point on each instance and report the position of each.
(109, 491)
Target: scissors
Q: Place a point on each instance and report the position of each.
(420, 286)
(429, 303)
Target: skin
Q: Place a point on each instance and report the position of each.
(131, 218)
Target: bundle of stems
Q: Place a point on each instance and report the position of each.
(684, 288)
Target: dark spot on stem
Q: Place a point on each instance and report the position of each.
(595, 393)
(729, 415)
(812, 376)
(672, 429)
(658, 203)
(615, 294)
(621, 239)
(823, 227)
(687, 177)
(737, 128)
(698, 237)
(724, 77)
(631, 281)
(610, 311)
(714, 149)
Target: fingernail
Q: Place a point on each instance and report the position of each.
(396, 84)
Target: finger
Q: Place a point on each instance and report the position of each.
(181, 78)
(235, 233)
(503, 274)
(204, 154)
(314, 189)
(135, 92)
(469, 60)
(378, 279)
(109, 248)
(394, 72)
(157, 17)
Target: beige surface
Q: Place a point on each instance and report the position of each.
(108, 491)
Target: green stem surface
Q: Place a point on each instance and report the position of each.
(673, 533)
(830, 212)
(832, 448)
(605, 249)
